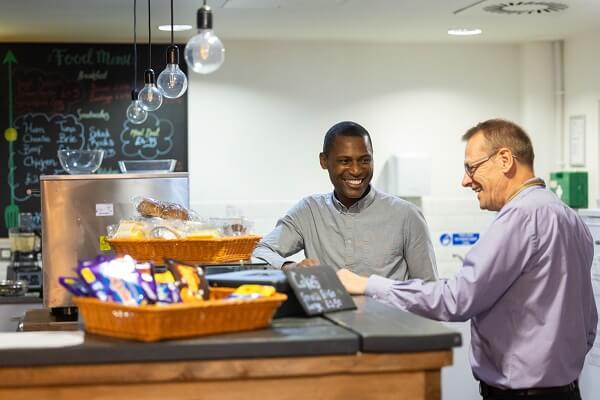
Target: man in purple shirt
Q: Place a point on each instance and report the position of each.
(525, 286)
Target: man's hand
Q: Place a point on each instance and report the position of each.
(307, 262)
(354, 284)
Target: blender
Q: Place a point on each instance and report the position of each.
(25, 247)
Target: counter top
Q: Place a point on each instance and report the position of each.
(373, 327)
(286, 337)
(20, 300)
(386, 329)
(376, 352)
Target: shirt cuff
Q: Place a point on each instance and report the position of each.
(378, 287)
(270, 257)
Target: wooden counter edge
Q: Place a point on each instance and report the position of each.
(194, 371)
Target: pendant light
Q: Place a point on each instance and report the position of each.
(150, 97)
(204, 53)
(172, 82)
(135, 113)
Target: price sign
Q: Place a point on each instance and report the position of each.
(319, 290)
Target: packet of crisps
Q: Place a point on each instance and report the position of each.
(250, 292)
(190, 279)
(74, 285)
(146, 281)
(119, 279)
(166, 289)
(88, 271)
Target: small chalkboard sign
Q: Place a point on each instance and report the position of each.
(319, 290)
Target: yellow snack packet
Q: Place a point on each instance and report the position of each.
(260, 290)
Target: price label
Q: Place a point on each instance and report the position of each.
(319, 290)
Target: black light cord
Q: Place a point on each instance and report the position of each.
(171, 22)
(149, 39)
(134, 45)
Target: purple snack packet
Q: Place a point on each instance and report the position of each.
(118, 279)
(91, 275)
(75, 286)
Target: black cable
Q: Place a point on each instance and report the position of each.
(171, 22)
(149, 39)
(134, 45)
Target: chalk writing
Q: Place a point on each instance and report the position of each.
(306, 282)
(38, 89)
(94, 75)
(319, 290)
(102, 115)
(74, 96)
(89, 56)
(101, 139)
(63, 56)
(148, 141)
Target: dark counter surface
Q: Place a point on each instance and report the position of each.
(20, 300)
(386, 329)
(374, 327)
(285, 337)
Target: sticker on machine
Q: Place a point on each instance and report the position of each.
(105, 210)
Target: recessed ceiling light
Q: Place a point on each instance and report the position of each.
(464, 32)
(175, 28)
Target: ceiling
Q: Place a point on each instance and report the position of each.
(356, 20)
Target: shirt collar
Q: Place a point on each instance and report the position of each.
(357, 207)
(527, 186)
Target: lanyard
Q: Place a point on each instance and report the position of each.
(528, 183)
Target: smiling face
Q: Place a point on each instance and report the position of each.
(488, 179)
(350, 166)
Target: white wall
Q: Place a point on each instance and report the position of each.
(582, 97)
(256, 126)
(540, 100)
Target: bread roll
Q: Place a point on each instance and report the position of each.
(149, 208)
(174, 211)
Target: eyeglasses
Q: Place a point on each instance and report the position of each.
(470, 169)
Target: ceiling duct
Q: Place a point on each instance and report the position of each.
(526, 7)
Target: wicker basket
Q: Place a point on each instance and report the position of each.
(151, 323)
(201, 250)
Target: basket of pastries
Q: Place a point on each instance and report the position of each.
(162, 229)
(120, 297)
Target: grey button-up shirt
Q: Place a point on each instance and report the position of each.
(526, 286)
(379, 234)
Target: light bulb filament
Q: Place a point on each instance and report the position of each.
(204, 51)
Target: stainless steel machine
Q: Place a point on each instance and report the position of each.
(76, 209)
(26, 256)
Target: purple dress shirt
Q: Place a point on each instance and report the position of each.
(526, 286)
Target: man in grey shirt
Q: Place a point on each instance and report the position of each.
(356, 226)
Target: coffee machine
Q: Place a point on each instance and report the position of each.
(76, 210)
(26, 254)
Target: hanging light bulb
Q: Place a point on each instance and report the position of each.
(172, 82)
(135, 112)
(150, 97)
(204, 53)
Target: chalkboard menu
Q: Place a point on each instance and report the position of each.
(319, 290)
(74, 96)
